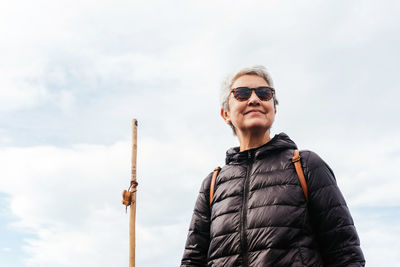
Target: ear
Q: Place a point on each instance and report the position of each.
(275, 110)
(225, 115)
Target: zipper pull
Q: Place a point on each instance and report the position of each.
(249, 155)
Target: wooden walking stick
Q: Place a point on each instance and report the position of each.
(129, 196)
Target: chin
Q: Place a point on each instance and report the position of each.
(258, 124)
(258, 127)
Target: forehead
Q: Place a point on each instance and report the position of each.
(251, 81)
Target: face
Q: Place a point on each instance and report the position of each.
(252, 115)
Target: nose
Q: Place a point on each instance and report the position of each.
(254, 100)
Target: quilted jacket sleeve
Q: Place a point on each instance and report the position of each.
(198, 239)
(336, 234)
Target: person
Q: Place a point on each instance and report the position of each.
(259, 215)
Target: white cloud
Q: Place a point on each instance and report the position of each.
(70, 199)
(379, 230)
(17, 91)
(380, 251)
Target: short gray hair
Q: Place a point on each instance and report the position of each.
(258, 70)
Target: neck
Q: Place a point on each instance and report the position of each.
(253, 140)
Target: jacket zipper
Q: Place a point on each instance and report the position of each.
(244, 243)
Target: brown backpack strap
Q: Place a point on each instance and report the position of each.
(213, 179)
(300, 173)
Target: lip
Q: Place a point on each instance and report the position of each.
(254, 111)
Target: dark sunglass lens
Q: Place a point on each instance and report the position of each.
(264, 93)
(242, 93)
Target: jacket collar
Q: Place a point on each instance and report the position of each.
(278, 142)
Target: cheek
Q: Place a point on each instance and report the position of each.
(237, 112)
(233, 109)
(271, 107)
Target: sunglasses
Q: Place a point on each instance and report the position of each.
(264, 93)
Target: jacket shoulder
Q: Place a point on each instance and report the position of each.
(317, 171)
(206, 183)
(311, 160)
(204, 193)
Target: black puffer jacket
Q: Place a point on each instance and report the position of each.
(259, 215)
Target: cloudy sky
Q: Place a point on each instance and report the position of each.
(73, 75)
